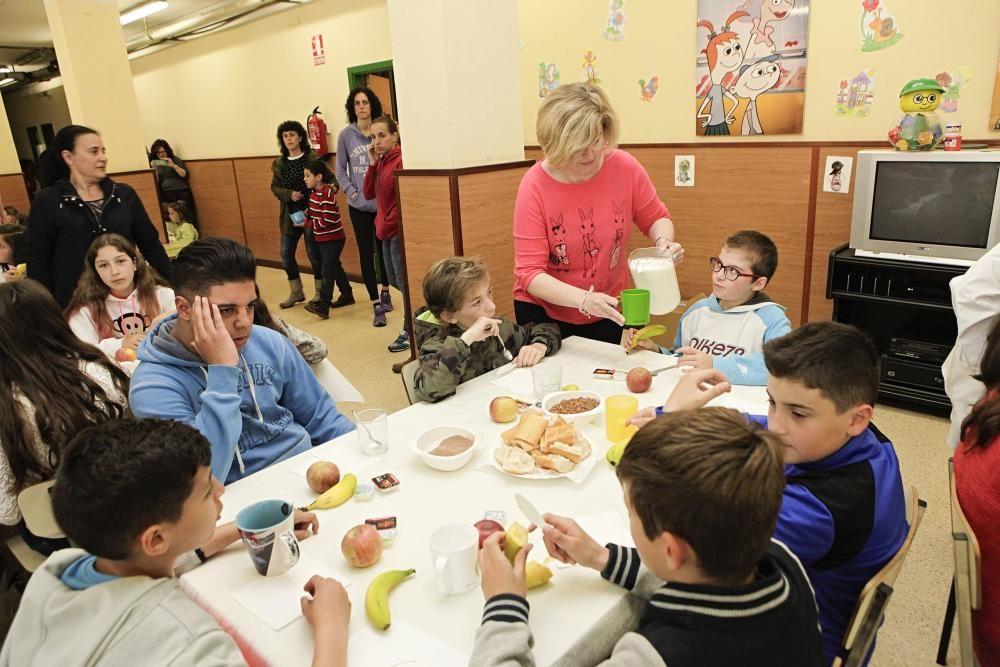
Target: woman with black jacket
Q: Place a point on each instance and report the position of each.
(81, 205)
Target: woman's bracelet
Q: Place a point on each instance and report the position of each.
(583, 301)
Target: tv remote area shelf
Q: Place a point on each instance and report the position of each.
(906, 309)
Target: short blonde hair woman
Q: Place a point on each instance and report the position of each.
(572, 217)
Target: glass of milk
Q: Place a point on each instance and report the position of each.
(655, 272)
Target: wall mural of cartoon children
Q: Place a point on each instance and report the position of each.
(753, 81)
(725, 55)
(591, 248)
(750, 76)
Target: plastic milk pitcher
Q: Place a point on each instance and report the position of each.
(655, 272)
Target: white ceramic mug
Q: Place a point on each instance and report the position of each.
(455, 553)
(268, 531)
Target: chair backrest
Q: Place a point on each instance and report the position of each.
(35, 503)
(874, 598)
(339, 387)
(408, 373)
(968, 593)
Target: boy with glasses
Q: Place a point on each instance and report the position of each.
(728, 329)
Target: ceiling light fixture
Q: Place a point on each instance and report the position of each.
(142, 11)
(7, 82)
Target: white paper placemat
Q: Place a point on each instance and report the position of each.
(275, 600)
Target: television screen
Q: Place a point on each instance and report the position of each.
(941, 203)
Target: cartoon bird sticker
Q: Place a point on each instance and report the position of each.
(647, 89)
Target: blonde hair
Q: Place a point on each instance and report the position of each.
(448, 281)
(572, 118)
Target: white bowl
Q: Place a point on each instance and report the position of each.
(584, 417)
(431, 438)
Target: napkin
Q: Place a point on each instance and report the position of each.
(275, 600)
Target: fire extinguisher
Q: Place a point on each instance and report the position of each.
(317, 132)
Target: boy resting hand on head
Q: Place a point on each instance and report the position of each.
(459, 335)
(727, 330)
(703, 489)
(137, 495)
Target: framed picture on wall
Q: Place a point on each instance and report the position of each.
(750, 67)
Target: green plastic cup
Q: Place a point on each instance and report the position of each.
(635, 307)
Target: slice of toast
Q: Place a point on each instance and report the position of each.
(563, 433)
(553, 462)
(514, 461)
(574, 453)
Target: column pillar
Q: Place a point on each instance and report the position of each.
(9, 164)
(95, 72)
(457, 70)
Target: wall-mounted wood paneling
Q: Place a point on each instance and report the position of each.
(144, 184)
(832, 228)
(760, 188)
(13, 192)
(259, 209)
(349, 258)
(425, 203)
(486, 202)
(213, 186)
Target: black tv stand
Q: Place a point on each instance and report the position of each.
(906, 309)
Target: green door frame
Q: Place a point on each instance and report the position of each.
(356, 74)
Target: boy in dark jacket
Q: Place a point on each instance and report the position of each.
(703, 489)
(458, 336)
(843, 513)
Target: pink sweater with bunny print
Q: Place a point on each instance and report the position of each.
(578, 233)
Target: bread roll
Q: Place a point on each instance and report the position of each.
(514, 461)
(574, 453)
(553, 462)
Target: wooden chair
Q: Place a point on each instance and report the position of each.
(870, 610)
(408, 372)
(966, 587)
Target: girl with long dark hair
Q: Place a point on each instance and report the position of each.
(52, 385)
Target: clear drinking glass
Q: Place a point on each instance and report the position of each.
(545, 379)
(373, 431)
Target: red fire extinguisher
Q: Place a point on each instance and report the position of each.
(317, 132)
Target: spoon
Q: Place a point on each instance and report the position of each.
(506, 354)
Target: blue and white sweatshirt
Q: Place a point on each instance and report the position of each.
(844, 517)
(735, 338)
(267, 409)
(352, 165)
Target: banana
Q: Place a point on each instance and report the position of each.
(377, 597)
(536, 574)
(339, 494)
(615, 451)
(647, 332)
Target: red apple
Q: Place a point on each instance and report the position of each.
(639, 380)
(125, 354)
(362, 546)
(322, 476)
(486, 527)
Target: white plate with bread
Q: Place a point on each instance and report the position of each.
(537, 448)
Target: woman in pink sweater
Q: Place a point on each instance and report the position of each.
(977, 483)
(573, 214)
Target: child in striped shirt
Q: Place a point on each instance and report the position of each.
(323, 218)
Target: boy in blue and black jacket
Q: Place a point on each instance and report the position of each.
(702, 489)
(843, 512)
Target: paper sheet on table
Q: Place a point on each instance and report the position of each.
(338, 386)
(517, 382)
(275, 600)
(401, 644)
(346, 455)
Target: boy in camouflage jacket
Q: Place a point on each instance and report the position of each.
(458, 336)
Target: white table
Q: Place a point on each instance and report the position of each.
(560, 612)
